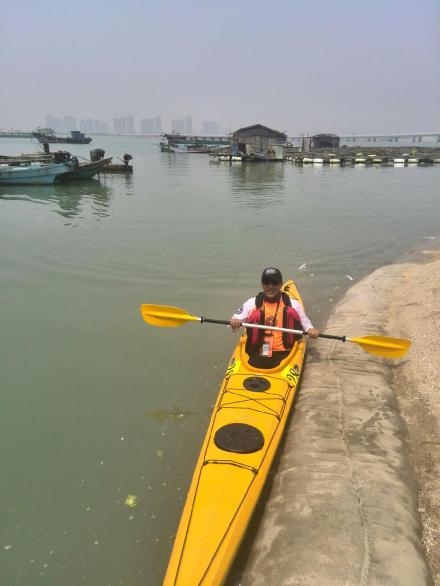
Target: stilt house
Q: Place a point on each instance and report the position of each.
(259, 142)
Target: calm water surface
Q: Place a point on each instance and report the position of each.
(95, 404)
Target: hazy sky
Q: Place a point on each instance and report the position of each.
(300, 66)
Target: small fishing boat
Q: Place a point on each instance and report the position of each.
(243, 436)
(98, 155)
(34, 173)
(119, 168)
(86, 170)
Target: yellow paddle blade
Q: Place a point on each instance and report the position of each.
(165, 315)
(383, 346)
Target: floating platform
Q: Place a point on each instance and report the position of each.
(367, 156)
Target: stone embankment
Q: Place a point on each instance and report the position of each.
(355, 498)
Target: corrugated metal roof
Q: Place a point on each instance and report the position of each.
(257, 127)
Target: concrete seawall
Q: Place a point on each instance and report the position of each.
(345, 502)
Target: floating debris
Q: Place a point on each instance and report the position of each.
(131, 500)
(429, 237)
(159, 453)
(303, 266)
(175, 413)
(349, 277)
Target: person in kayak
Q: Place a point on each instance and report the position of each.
(271, 307)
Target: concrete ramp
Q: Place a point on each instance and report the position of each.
(342, 507)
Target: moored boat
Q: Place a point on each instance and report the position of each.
(86, 170)
(246, 427)
(165, 147)
(98, 155)
(26, 158)
(47, 135)
(35, 173)
(119, 168)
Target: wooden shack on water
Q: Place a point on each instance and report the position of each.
(259, 143)
(325, 141)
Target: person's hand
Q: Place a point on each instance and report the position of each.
(235, 323)
(313, 333)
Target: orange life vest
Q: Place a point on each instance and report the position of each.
(278, 313)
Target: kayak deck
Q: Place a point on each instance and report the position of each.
(246, 427)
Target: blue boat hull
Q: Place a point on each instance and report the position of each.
(32, 174)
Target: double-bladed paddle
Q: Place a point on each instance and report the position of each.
(172, 317)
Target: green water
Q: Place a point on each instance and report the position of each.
(95, 404)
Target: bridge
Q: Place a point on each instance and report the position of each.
(386, 138)
(16, 134)
(413, 137)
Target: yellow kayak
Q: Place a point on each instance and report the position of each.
(242, 439)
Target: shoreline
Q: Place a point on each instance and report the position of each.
(416, 315)
(358, 478)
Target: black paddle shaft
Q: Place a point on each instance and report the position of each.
(331, 337)
(214, 321)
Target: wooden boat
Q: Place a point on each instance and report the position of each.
(34, 173)
(26, 158)
(246, 427)
(125, 167)
(119, 168)
(86, 170)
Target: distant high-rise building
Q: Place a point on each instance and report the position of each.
(157, 126)
(188, 125)
(119, 126)
(129, 124)
(178, 126)
(147, 126)
(57, 124)
(151, 125)
(210, 127)
(100, 127)
(69, 124)
(123, 125)
(89, 125)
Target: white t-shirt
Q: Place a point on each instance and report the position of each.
(248, 307)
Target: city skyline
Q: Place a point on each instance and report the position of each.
(129, 124)
(299, 68)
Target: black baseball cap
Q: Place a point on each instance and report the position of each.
(271, 275)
